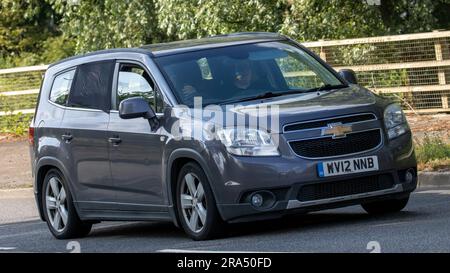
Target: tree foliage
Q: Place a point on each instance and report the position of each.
(96, 24)
(312, 20)
(36, 31)
(338, 19)
(179, 19)
(26, 26)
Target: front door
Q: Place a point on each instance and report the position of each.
(135, 150)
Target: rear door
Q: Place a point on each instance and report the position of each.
(85, 137)
(135, 150)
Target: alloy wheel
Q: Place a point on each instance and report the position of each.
(193, 202)
(56, 204)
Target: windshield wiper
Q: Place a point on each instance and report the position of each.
(271, 94)
(266, 95)
(327, 87)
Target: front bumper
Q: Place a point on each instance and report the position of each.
(285, 176)
(243, 212)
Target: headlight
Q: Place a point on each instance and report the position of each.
(247, 142)
(395, 121)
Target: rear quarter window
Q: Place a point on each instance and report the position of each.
(61, 87)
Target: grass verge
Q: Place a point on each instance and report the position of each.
(433, 154)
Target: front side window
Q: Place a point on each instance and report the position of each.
(234, 73)
(92, 86)
(297, 73)
(134, 81)
(61, 87)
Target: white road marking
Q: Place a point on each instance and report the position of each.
(108, 226)
(22, 224)
(7, 248)
(28, 233)
(393, 224)
(20, 234)
(435, 191)
(27, 222)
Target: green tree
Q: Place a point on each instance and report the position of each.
(29, 33)
(409, 16)
(99, 24)
(339, 19)
(180, 19)
(24, 24)
(42, 31)
(312, 19)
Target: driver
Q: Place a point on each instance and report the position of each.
(243, 74)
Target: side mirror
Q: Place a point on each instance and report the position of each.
(135, 108)
(349, 75)
(138, 108)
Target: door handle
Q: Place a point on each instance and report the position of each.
(114, 140)
(67, 137)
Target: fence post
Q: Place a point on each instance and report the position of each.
(323, 53)
(441, 71)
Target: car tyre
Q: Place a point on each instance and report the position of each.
(386, 206)
(196, 206)
(59, 211)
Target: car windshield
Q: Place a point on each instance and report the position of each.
(242, 72)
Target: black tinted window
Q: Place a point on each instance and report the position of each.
(61, 87)
(92, 86)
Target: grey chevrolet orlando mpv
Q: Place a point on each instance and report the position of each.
(231, 128)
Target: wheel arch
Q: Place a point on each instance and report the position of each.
(44, 165)
(176, 161)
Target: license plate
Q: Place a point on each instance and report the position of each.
(347, 166)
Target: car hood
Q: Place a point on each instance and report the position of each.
(300, 107)
(334, 100)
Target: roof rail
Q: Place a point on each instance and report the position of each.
(256, 33)
(102, 51)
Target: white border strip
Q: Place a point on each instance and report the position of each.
(24, 69)
(391, 66)
(172, 250)
(379, 39)
(23, 111)
(21, 92)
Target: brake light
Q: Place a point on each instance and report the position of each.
(31, 135)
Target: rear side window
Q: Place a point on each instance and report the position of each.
(92, 86)
(61, 87)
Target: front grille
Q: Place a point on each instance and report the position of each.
(352, 186)
(327, 146)
(324, 123)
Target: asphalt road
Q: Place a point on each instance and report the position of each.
(424, 226)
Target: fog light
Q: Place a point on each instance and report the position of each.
(257, 200)
(409, 176)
